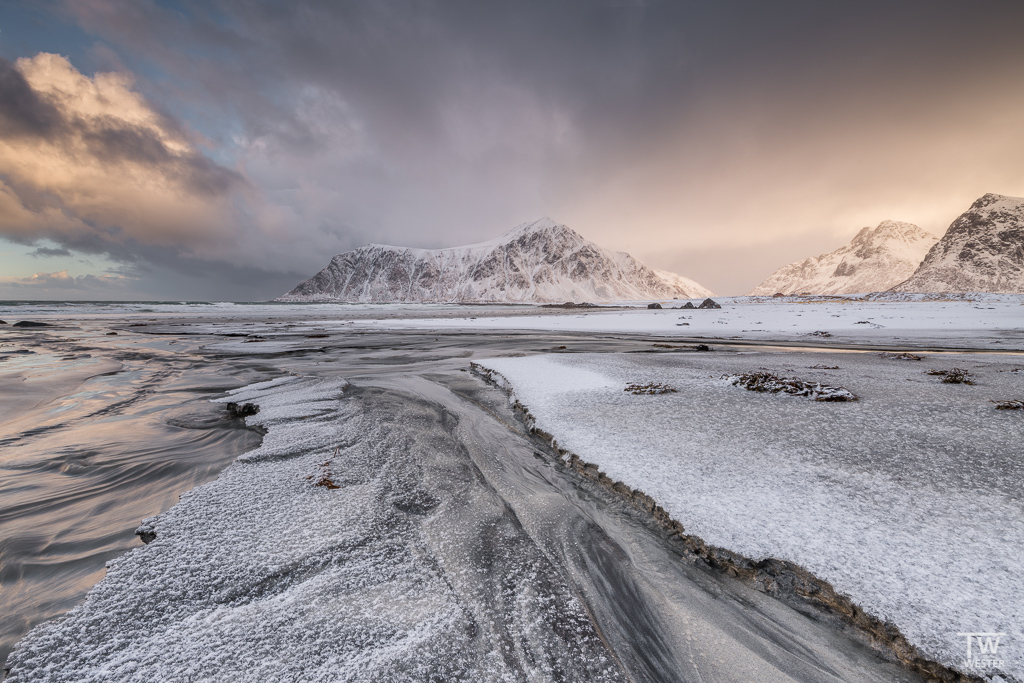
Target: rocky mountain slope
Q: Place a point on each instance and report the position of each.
(539, 262)
(982, 251)
(875, 260)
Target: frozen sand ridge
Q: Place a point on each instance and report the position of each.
(983, 251)
(875, 260)
(538, 262)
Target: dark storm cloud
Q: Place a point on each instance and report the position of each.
(45, 252)
(22, 111)
(114, 142)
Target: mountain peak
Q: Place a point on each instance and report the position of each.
(990, 198)
(875, 260)
(894, 231)
(537, 261)
(542, 224)
(982, 251)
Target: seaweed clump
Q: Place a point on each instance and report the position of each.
(767, 382)
(1009, 405)
(953, 376)
(900, 356)
(649, 389)
(323, 476)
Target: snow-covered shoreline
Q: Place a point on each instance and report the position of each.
(376, 343)
(886, 504)
(995, 322)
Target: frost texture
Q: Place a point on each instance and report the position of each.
(264, 575)
(909, 500)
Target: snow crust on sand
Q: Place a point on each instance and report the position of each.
(263, 576)
(909, 500)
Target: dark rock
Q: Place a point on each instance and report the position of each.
(242, 410)
(111, 334)
(3, 322)
(778, 294)
(571, 304)
(31, 323)
(900, 356)
(709, 303)
(701, 347)
(146, 532)
(688, 304)
(653, 305)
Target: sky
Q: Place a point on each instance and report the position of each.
(226, 149)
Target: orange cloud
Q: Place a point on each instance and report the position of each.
(88, 161)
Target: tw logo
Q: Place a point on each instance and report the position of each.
(982, 650)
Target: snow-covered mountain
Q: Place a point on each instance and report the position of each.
(539, 262)
(982, 251)
(875, 260)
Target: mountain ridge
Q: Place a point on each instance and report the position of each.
(536, 262)
(875, 260)
(982, 251)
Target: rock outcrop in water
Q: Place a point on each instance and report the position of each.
(539, 262)
(983, 251)
(875, 260)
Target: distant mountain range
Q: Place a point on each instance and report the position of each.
(982, 251)
(875, 260)
(546, 262)
(539, 262)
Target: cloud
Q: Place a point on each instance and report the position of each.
(726, 134)
(42, 252)
(62, 285)
(89, 163)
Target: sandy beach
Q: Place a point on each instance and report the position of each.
(388, 515)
